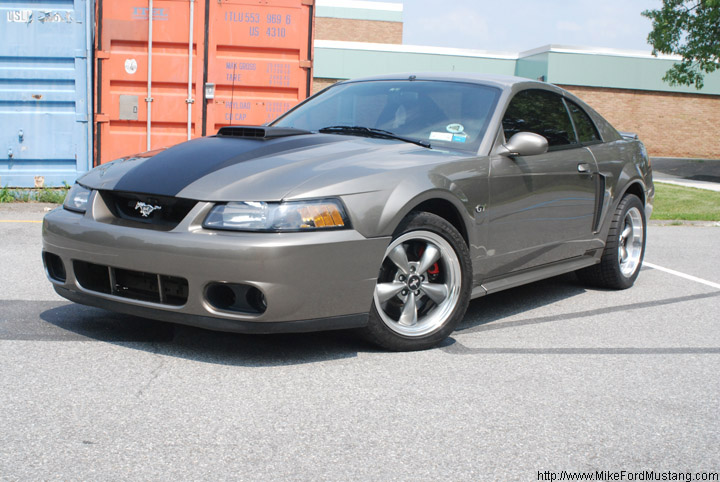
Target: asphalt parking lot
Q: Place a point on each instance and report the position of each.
(547, 377)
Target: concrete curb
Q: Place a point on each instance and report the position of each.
(708, 186)
(679, 222)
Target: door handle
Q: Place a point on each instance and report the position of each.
(583, 167)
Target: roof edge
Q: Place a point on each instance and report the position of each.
(361, 4)
(412, 49)
(550, 48)
(571, 49)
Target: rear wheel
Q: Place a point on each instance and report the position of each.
(624, 250)
(423, 287)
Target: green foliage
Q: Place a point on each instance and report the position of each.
(6, 195)
(686, 203)
(56, 196)
(690, 28)
(23, 196)
(43, 195)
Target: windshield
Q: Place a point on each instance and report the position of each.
(445, 114)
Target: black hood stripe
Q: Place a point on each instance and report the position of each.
(172, 170)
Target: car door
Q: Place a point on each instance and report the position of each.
(541, 208)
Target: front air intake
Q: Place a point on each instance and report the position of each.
(135, 285)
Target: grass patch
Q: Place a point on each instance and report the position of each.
(42, 195)
(6, 195)
(55, 196)
(686, 203)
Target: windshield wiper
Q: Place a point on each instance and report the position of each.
(372, 132)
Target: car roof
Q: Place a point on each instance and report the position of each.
(501, 81)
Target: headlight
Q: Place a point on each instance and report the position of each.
(288, 216)
(77, 199)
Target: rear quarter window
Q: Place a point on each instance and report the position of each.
(586, 130)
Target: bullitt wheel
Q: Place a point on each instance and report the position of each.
(624, 250)
(424, 284)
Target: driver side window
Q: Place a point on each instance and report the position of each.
(541, 112)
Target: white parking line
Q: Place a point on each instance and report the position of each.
(682, 275)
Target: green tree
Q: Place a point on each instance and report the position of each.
(690, 28)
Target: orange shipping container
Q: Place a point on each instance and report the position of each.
(192, 67)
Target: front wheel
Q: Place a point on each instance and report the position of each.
(624, 250)
(423, 287)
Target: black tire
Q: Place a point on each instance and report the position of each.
(612, 272)
(437, 292)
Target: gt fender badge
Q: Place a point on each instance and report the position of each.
(146, 209)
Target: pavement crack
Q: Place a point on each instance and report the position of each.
(154, 373)
(457, 348)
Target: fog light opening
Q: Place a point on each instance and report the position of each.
(236, 297)
(55, 267)
(221, 296)
(256, 299)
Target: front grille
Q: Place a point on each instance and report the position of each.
(135, 285)
(162, 212)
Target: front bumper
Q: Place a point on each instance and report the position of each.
(311, 281)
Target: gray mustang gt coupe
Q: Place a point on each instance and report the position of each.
(384, 204)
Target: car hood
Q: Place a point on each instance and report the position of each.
(226, 169)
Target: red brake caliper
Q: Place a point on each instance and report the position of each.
(435, 269)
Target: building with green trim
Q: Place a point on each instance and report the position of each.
(624, 86)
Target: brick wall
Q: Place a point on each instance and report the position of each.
(669, 124)
(351, 30)
(320, 84)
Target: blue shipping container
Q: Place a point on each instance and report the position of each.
(45, 91)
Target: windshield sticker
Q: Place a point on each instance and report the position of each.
(441, 136)
(455, 128)
(459, 137)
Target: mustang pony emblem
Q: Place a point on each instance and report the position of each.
(146, 209)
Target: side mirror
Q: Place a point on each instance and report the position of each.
(524, 144)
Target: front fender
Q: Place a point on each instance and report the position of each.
(462, 184)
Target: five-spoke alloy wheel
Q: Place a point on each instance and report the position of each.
(423, 287)
(631, 242)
